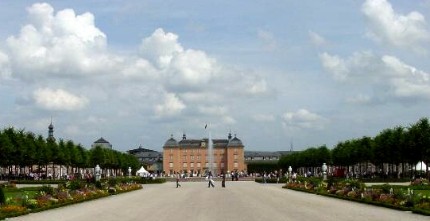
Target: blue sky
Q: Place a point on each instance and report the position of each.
(274, 73)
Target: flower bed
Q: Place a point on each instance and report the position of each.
(385, 195)
(69, 193)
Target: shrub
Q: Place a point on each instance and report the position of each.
(99, 185)
(75, 185)
(2, 196)
(385, 188)
(47, 189)
(112, 182)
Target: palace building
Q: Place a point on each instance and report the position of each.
(191, 155)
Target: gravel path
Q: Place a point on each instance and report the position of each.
(239, 201)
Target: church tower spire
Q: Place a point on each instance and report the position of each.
(51, 131)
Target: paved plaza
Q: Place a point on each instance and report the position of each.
(239, 201)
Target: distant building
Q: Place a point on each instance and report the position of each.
(153, 160)
(191, 155)
(252, 156)
(102, 143)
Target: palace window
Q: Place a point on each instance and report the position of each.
(171, 165)
(236, 165)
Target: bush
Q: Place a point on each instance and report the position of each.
(47, 189)
(112, 182)
(385, 188)
(271, 180)
(2, 196)
(74, 185)
(99, 185)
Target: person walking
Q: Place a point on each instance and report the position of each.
(210, 183)
(177, 181)
(223, 179)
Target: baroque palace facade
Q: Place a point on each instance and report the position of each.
(191, 155)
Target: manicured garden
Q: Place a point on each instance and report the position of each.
(19, 201)
(414, 197)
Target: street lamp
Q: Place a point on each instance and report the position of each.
(129, 172)
(97, 172)
(324, 170)
(290, 169)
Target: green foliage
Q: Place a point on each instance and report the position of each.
(2, 196)
(44, 182)
(386, 188)
(311, 157)
(112, 182)
(151, 181)
(47, 189)
(271, 180)
(25, 149)
(354, 183)
(99, 185)
(75, 185)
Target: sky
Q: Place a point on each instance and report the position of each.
(277, 74)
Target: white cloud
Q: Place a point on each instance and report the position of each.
(218, 112)
(387, 26)
(171, 106)
(60, 44)
(186, 69)
(407, 81)
(360, 66)
(257, 87)
(58, 100)
(5, 71)
(160, 47)
(192, 68)
(268, 39)
(359, 99)
(335, 65)
(263, 118)
(317, 39)
(62, 49)
(304, 119)
(387, 75)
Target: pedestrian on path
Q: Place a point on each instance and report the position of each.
(177, 181)
(211, 182)
(223, 179)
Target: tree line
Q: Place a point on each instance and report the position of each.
(395, 148)
(21, 150)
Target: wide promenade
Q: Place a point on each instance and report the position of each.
(239, 201)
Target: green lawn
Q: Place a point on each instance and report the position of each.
(17, 194)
